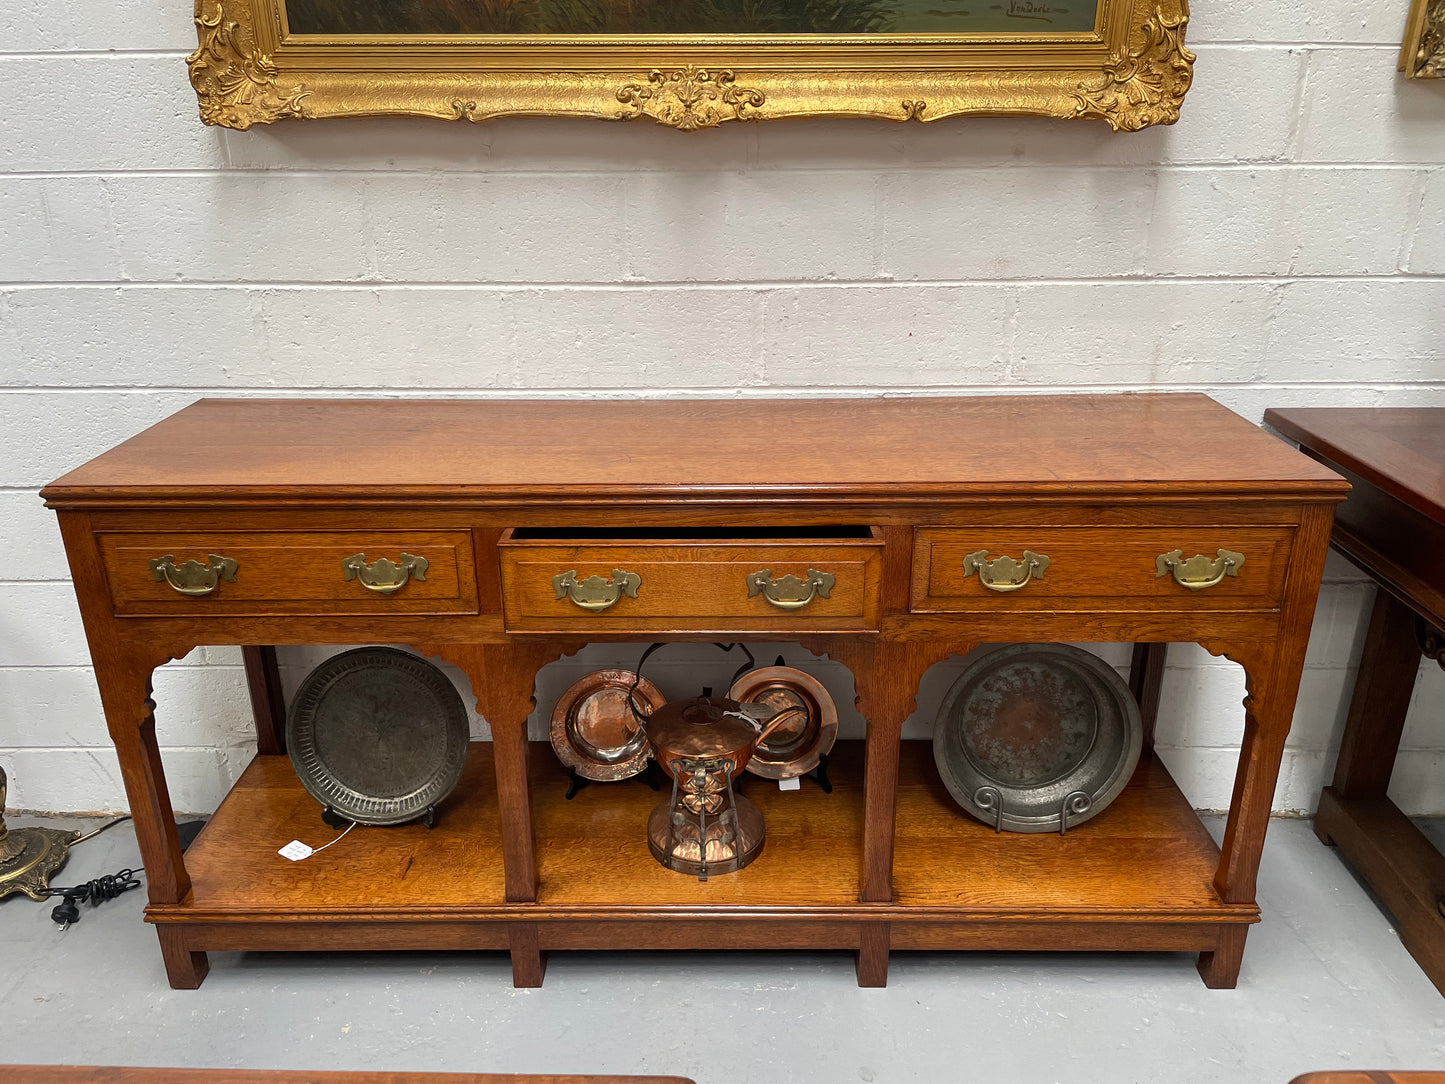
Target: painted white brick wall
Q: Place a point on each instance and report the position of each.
(1283, 245)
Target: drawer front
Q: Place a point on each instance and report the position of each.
(1115, 568)
(289, 572)
(690, 587)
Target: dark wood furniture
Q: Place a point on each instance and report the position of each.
(889, 495)
(1392, 525)
(1370, 1076)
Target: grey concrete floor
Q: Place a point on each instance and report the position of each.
(1326, 984)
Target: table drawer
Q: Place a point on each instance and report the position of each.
(1088, 568)
(179, 574)
(673, 584)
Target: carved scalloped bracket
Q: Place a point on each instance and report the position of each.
(157, 653)
(134, 679)
(894, 684)
(690, 98)
(526, 659)
(459, 655)
(235, 82)
(1147, 86)
(1253, 658)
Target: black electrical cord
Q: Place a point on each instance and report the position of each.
(95, 892)
(96, 831)
(747, 665)
(636, 681)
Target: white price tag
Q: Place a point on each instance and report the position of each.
(295, 850)
(790, 784)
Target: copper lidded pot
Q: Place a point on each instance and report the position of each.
(706, 827)
(712, 728)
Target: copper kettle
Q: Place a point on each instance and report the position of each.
(706, 827)
(712, 728)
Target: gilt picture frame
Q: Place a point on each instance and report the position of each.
(1422, 55)
(693, 64)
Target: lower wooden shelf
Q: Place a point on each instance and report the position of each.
(1137, 876)
(407, 887)
(592, 851)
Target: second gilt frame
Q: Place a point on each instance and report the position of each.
(1422, 56)
(1131, 71)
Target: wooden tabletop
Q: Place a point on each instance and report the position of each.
(1174, 444)
(1399, 449)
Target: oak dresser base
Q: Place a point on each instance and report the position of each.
(263, 504)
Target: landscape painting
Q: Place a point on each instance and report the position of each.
(1012, 17)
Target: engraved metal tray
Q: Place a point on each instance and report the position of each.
(594, 730)
(378, 734)
(1037, 737)
(798, 745)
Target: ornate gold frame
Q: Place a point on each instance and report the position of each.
(1422, 56)
(1132, 71)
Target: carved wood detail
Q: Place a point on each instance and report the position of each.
(691, 83)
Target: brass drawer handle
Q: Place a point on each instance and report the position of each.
(788, 592)
(594, 593)
(1004, 573)
(194, 578)
(1199, 571)
(383, 576)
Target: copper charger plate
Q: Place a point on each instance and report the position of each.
(377, 734)
(1030, 727)
(594, 731)
(799, 744)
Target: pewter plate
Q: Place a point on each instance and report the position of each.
(378, 735)
(1029, 726)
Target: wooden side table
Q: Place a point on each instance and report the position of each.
(1392, 525)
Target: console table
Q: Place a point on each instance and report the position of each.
(229, 523)
(1392, 526)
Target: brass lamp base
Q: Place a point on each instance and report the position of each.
(28, 856)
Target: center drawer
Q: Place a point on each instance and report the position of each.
(724, 582)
